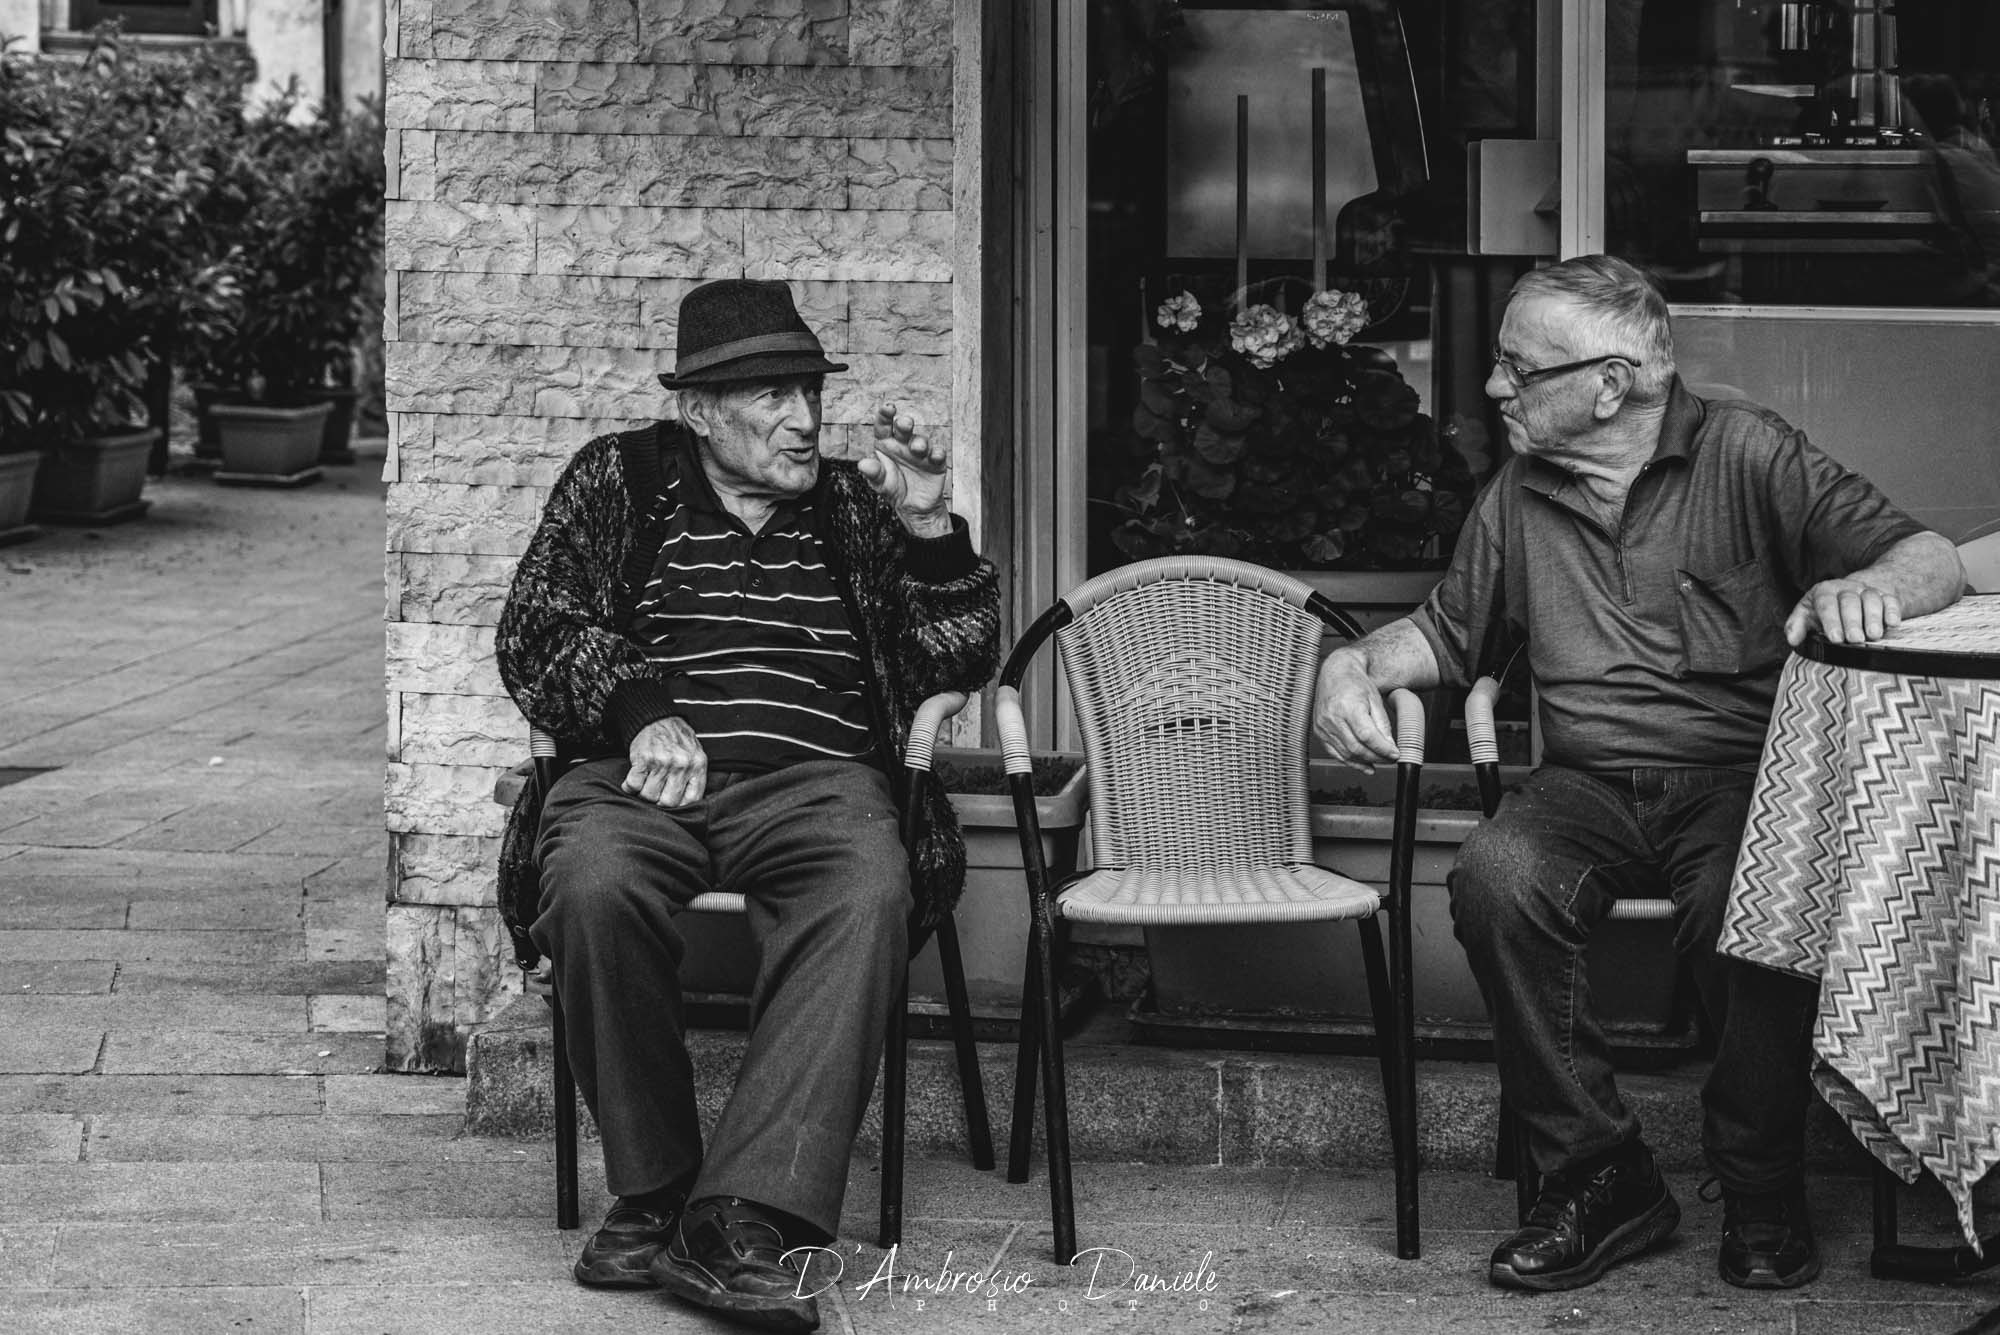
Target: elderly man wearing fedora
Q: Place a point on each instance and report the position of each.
(731, 633)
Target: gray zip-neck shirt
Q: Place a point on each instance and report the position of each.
(1657, 642)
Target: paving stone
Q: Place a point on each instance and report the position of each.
(164, 1311)
(411, 1190)
(57, 976)
(96, 907)
(211, 947)
(319, 838)
(159, 1191)
(171, 1051)
(27, 1254)
(246, 1013)
(557, 1304)
(447, 1252)
(342, 1014)
(62, 1050)
(395, 1094)
(271, 976)
(168, 871)
(274, 910)
(40, 1138)
(305, 1138)
(179, 1095)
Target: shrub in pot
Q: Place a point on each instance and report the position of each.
(305, 242)
(96, 202)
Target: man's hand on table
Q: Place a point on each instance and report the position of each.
(1846, 611)
(668, 765)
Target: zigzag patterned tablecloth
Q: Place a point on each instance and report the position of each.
(1872, 862)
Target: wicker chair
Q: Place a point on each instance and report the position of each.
(1510, 1151)
(916, 759)
(1192, 681)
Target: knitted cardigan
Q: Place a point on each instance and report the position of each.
(926, 612)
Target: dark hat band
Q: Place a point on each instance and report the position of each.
(790, 341)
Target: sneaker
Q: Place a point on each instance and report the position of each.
(617, 1254)
(1767, 1240)
(1584, 1223)
(728, 1256)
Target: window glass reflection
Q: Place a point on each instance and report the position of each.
(1806, 151)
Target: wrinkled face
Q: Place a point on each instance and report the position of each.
(1544, 416)
(760, 437)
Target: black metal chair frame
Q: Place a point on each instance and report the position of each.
(895, 1069)
(1390, 989)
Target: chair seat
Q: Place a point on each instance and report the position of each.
(1299, 892)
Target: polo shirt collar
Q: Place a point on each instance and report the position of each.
(1680, 428)
(698, 493)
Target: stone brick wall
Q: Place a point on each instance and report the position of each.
(560, 173)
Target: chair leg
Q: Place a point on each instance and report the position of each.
(895, 1098)
(1511, 1151)
(1376, 970)
(1404, 1106)
(1021, 1131)
(978, 1129)
(565, 1092)
(1062, 1205)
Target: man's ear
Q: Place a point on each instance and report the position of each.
(1616, 379)
(694, 414)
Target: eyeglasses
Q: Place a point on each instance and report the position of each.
(1521, 378)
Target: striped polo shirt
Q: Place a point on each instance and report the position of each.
(762, 661)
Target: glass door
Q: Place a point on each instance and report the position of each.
(1271, 245)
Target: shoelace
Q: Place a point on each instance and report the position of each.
(1559, 1194)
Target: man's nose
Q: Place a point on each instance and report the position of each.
(1498, 387)
(802, 412)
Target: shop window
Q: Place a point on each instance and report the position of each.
(1806, 152)
(192, 17)
(1274, 162)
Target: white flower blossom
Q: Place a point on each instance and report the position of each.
(1265, 335)
(1181, 313)
(1334, 316)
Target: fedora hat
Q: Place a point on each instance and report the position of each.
(743, 329)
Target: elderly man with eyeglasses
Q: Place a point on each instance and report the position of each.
(1654, 554)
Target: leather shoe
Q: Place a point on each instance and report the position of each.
(1767, 1240)
(617, 1254)
(1586, 1221)
(728, 1256)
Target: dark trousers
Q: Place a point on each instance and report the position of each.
(1528, 887)
(814, 849)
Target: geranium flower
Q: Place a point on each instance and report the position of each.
(1265, 335)
(1334, 316)
(1181, 313)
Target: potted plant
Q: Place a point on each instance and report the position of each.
(96, 201)
(305, 243)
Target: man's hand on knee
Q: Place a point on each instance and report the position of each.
(668, 765)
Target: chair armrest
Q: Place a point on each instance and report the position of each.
(1481, 738)
(1409, 712)
(924, 726)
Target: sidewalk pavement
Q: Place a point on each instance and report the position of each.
(194, 1136)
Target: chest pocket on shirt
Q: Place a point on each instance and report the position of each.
(1730, 622)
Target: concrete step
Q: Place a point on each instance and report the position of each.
(1133, 1102)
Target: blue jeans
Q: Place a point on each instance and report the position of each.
(1528, 887)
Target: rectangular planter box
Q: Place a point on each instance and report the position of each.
(270, 445)
(95, 480)
(992, 916)
(1313, 971)
(17, 491)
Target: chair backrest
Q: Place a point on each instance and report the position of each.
(1192, 680)
(1981, 557)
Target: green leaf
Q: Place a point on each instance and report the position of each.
(1217, 447)
(1228, 415)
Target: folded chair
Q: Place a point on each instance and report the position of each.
(1192, 680)
(1511, 1158)
(916, 762)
